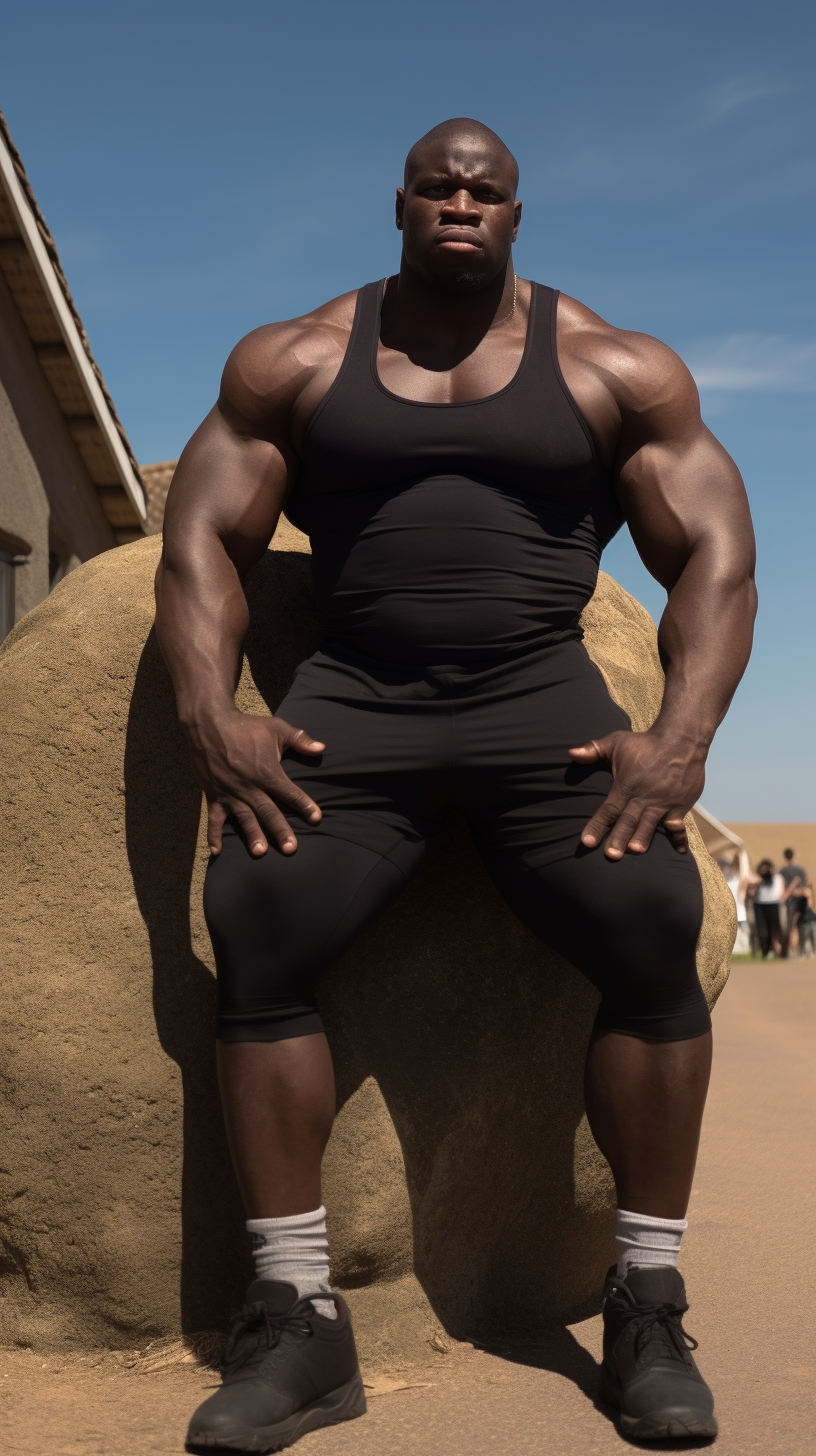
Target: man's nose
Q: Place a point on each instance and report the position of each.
(460, 205)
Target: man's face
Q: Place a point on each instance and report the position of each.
(458, 215)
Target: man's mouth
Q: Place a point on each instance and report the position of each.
(459, 240)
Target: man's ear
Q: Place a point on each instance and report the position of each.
(400, 207)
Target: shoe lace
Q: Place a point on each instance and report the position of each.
(254, 1326)
(654, 1320)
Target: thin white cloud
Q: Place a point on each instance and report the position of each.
(734, 93)
(748, 362)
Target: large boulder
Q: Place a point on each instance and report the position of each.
(462, 1182)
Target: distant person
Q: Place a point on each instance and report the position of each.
(807, 925)
(738, 885)
(796, 879)
(769, 897)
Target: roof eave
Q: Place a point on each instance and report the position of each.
(67, 323)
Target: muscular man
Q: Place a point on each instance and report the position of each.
(460, 445)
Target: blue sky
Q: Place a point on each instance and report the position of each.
(208, 167)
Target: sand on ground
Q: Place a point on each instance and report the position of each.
(748, 1265)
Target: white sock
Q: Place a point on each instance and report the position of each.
(295, 1250)
(645, 1241)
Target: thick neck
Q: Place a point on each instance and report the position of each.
(437, 328)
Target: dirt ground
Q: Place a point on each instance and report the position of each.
(748, 1265)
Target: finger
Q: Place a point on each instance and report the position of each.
(591, 752)
(250, 828)
(598, 750)
(216, 817)
(295, 800)
(301, 742)
(279, 831)
(625, 826)
(675, 825)
(602, 821)
(644, 831)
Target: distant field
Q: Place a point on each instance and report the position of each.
(768, 841)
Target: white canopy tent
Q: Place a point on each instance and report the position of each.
(720, 841)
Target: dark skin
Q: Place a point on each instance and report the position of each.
(450, 333)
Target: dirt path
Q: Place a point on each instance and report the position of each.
(748, 1264)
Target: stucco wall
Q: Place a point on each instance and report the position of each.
(47, 498)
(23, 510)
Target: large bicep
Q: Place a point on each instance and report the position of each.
(228, 483)
(677, 485)
(234, 475)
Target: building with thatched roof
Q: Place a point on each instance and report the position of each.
(69, 484)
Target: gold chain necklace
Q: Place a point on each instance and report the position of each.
(508, 316)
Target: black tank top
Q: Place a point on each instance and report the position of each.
(453, 535)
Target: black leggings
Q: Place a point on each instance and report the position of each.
(768, 926)
(403, 748)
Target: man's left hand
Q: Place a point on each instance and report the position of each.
(657, 778)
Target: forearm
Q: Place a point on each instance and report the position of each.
(704, 640)
(685, 504)
(201, 621)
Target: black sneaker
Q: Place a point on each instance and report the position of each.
(287, 1370)
(647, 1366)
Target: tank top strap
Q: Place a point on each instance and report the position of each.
(546, 369)
(542, 358)
(365, 333)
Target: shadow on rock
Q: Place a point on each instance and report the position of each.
(163, 805)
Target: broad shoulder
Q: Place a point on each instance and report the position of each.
(271, 365)
(640, 372)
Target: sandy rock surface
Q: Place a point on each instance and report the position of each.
(464, 1190)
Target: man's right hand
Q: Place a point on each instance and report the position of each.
(237, 761)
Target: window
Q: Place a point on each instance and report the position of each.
(7, 569)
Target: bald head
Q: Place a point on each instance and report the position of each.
(458, 211)
(462, 138)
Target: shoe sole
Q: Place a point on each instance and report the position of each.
(343, 1404)
(678, 1423)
